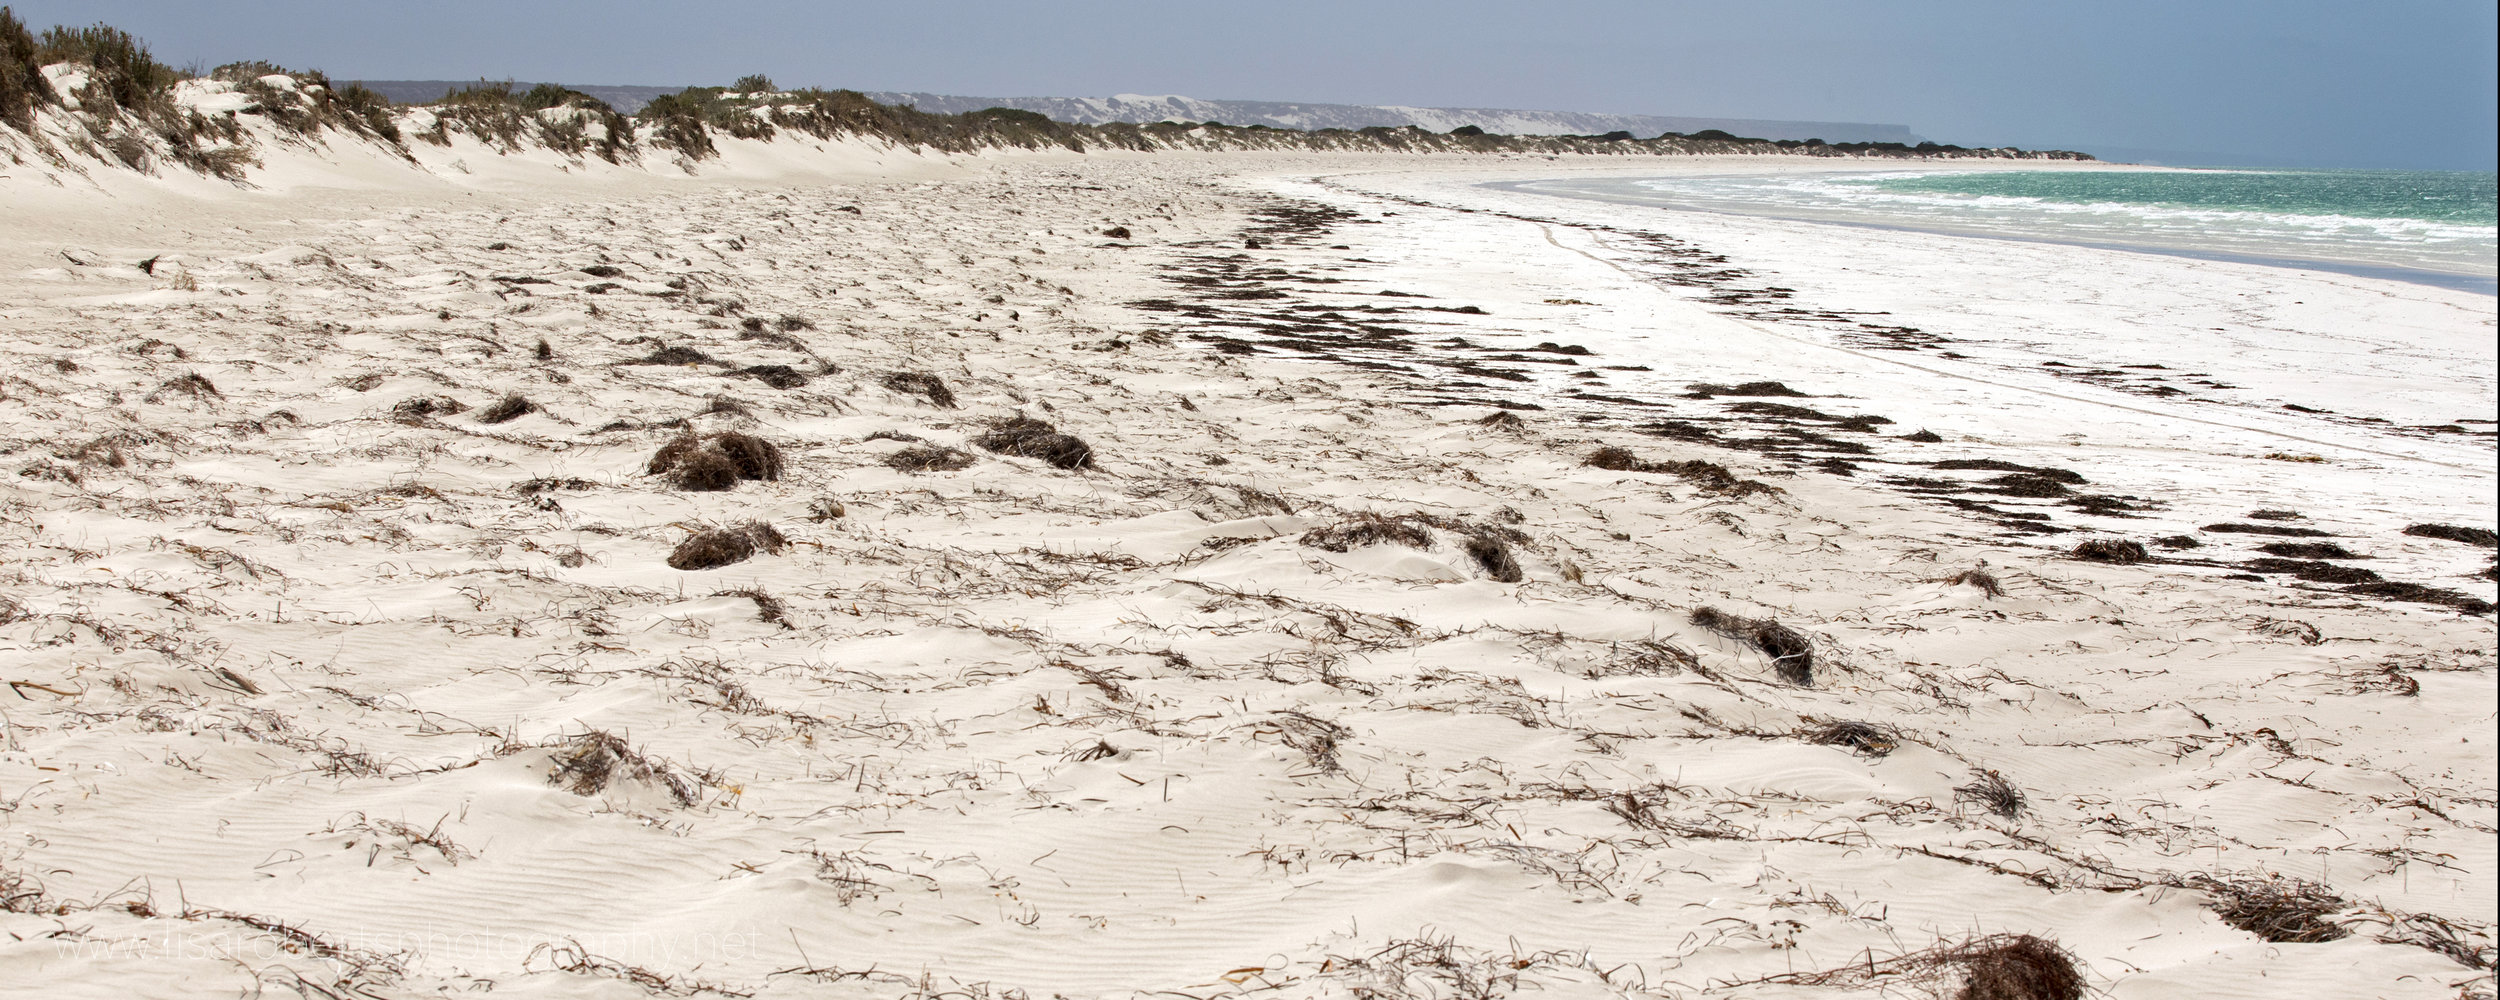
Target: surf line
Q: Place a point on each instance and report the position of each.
(1761, 328)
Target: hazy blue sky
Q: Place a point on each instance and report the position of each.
(2300, 82)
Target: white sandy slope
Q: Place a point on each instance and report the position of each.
(288, 682)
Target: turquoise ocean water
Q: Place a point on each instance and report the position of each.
(2437, 227)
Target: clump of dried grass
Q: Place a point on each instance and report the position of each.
(1991, 791)
(925, 458)
(1863, 738)
(1492, 555)
(592, 762)
(2017, 967)
(1503, 420)
(923, 385)
(2116, 551)
(767, 607)
(191, 384)
(2280, 910)
(1991, 967)
(716, 461)
(1369, 529)
(1791, 653)
(507, 409)
(1026, 437)
(1986, 582)
(718, 547)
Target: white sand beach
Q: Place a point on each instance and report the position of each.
(345, 657)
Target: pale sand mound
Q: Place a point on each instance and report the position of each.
(321, 679)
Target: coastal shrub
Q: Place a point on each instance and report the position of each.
(1791, 653)
(677, 121)
(22, 85)
(754, 83)
(125, 73)
(1502, 420)
(1026, 437)
(923, 385)
(2118, 551)
(718, 547)
(1923, 436)
(486, 110)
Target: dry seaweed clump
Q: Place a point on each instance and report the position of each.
(1989, 790)
(1791, 653)
(923, 385)
(716, 461)
(2280, 910)
(418, 409)
(1492, 555)
(1617, 459)
(2017, 967)
(1369, 529)
(2484, 537)
(507, 409)
(588, 764)
(927, 458)
(1025, 437)
(1865, 739)
(718, 547)
(1709, 477)
(1986, 582)
(2117, 551)
(1993, 967)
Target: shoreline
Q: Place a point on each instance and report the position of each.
(1322, 673)
(2479, 284)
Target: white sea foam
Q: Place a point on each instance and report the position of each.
(2427, 245)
